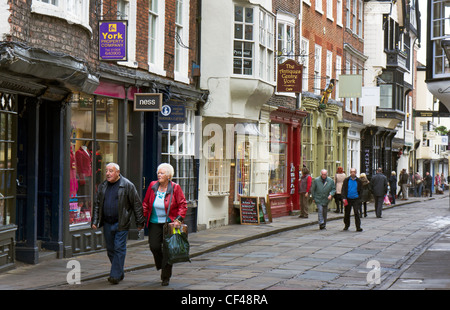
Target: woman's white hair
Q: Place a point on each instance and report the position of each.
(168, 168)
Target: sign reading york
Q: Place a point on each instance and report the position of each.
(113, 40)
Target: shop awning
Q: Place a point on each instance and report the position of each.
(46, 67)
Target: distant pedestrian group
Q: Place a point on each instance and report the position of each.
(353, 193)
(349, 193)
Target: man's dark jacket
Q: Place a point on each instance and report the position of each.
(129, 203)
(379, 185)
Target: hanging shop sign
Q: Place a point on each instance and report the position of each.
(112, 40)
(173, 113)
(289, 78)
(350, 86)
(147, 102)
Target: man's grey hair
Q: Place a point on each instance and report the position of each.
(114, 165)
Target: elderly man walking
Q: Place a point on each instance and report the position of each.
(117, 199)
(322, 191)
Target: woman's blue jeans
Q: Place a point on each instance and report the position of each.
(116, 248)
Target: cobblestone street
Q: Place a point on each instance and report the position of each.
(308, 258)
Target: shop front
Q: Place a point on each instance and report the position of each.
(376, 150)
(284, 160)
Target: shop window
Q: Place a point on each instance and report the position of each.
(8, 120)
(277, 158)
(307, 142)
(218, 177)
(177, 148)
(329, 138)
(90, 150)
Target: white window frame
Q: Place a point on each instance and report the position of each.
(304, 60)
(329, 66)
(339, 13)
(337, 74)
(287, 48)
(157, 66)
(73, 11)
(245, 41)
(123, 10)
(181, 54)
(181, 151)
(436, 41)
(317, 69)
(318, 5)
(266, 46)
(330, 10)
(348, 14)
(360, 18)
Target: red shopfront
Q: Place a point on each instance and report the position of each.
(284, 160)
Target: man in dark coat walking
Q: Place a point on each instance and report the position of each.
(379, 189)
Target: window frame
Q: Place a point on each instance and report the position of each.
(61, 9)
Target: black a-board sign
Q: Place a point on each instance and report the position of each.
(250, 207)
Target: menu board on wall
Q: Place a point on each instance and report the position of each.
(249, 210)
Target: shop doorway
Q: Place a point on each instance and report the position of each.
(39, 179)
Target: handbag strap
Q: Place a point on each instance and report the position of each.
(170, 203)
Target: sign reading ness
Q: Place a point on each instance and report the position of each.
(148, 102)
(112, 39)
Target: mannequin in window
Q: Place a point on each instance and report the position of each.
(84, 169)
(73, 174)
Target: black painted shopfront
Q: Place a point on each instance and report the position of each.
(376, 150)
(56, 136)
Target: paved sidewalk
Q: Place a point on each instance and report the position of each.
(54, 272)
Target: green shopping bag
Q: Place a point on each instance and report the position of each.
(176, 247)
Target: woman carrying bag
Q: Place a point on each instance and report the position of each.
(159, 195)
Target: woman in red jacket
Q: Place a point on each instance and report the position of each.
(156, 205)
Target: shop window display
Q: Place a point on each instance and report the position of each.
(90, 150)
(8, 119)
(278, 163)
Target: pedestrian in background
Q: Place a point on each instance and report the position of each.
(351, 194)
(428, 180)
(393, 186)
(365, 194)
(437, 183)
(117, 199)
(418, 185)
(403, 182)
(160, 194)
(304, 188)
(322, 191)
(339, 178)
(379, 189)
